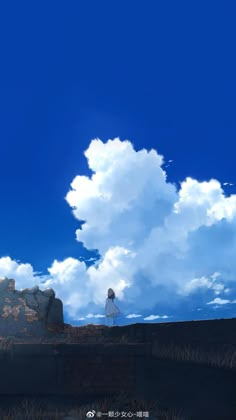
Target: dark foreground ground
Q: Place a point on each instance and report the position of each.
(174, 391)
(190, 373)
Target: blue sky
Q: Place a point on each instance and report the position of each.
(135, 85)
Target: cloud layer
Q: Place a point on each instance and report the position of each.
(157, 244)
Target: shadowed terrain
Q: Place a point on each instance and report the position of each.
(178, 370)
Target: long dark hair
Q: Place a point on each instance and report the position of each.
(111, 294)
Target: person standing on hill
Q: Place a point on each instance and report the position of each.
(111, 310)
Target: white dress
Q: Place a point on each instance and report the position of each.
(110, 308)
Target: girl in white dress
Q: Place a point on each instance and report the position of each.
(111, 309)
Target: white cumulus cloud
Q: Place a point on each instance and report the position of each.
(23, 273)
(157, 243)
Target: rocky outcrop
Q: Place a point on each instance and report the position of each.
(28, 312)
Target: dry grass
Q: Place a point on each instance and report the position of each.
(70, 336)
(221, 356)
(224, 357)
(29, 409)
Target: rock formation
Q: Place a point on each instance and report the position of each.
(28, 312)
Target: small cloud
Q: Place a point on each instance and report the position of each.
(219, 301)
(199, 309)
(152, 317)
(218, 288)
(196, 284)
(168, 163)
(95, 316)
(215, 275)
(203, 282)
(133, 316)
